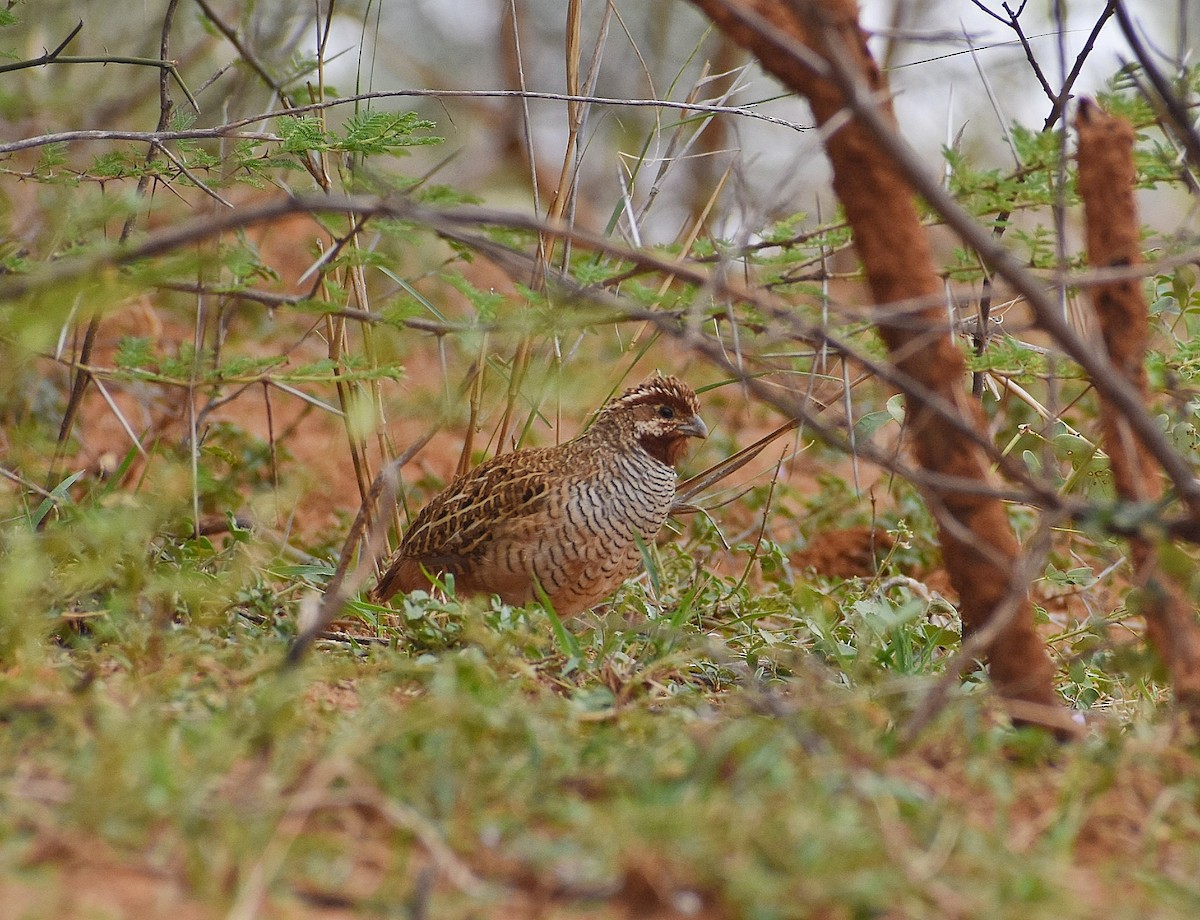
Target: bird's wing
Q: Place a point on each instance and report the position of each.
(499, 498)
(489, 501)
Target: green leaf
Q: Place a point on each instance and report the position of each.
(384, 132)
(52, 155)
(1080, 576)
(487, 304)
(59, 494)
(135, 352)
(301, 135)
(866, 425)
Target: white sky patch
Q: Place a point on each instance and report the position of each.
(465, 20)
(342, 51)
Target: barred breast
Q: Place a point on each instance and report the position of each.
(594, 548)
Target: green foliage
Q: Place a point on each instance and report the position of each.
(728, 737)
(366, 134)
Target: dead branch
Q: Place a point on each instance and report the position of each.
(372, 520)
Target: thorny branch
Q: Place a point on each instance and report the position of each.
(1104, 377)
(49, 57)
(1181, 121)
(57, 57)
(721, 285)
(233, 128)
(1059, 102)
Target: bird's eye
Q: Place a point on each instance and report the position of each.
(666, 412)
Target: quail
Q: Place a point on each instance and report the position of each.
(563, 522)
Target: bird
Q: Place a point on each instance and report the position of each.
(556, 523)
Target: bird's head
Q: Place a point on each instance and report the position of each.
(661, 413)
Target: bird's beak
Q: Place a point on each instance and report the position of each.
(694, 428)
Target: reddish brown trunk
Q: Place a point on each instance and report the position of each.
(1106, 178)
(979, 548)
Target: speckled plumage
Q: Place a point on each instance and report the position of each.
(566, 518)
